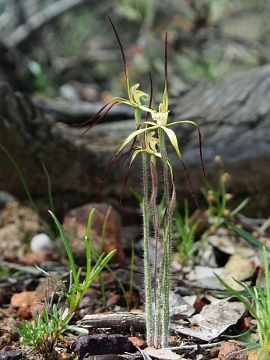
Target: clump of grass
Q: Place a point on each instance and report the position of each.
(218, 199)
(257, 301)
(47, 328)
(187, 233)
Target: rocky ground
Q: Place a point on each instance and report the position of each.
(33, 265)
(59, 65)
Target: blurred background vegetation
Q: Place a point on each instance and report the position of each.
(207, 40)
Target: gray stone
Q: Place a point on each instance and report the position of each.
(5, 198)
(41, 243)
(103, 344)
(12, 355)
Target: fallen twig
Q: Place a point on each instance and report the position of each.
(114, 320)
(194, 347)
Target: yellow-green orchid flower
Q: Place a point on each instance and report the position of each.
(149, 129)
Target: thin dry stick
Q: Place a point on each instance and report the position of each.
(194, 347)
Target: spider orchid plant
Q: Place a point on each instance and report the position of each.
(148, 140)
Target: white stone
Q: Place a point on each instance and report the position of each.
(41, 243)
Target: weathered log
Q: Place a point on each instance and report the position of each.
(75, 112)
(233, 114)
(127, 320)
(120, 320)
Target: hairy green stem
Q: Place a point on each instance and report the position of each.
(167, 241)
(146, 233)
(160, 295)
(153, 205)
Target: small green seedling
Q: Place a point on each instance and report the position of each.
(187, 232)
(218, 202)
(46, 330)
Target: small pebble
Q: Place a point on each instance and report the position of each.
(41, 243)
(5, 198)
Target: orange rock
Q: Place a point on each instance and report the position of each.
(27, 312)
(257, 355)
(247, 322)
(64, 356)
(173, 340)
(232, 351)
(75, 224)
(113, 299)
(36, 258)
(198, 305)
(213, 353)
(140, 343)
(26, 298)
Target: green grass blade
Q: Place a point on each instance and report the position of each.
(88, 246)
(239, 207)
(247, 332)
(55, 314)
(20, 175)
(236, 293)
(67, 245)
(267, 280)
(49, 184)
(46, 319)
(247, 236)
(102, 264)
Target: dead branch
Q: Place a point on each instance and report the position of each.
(37, 21)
